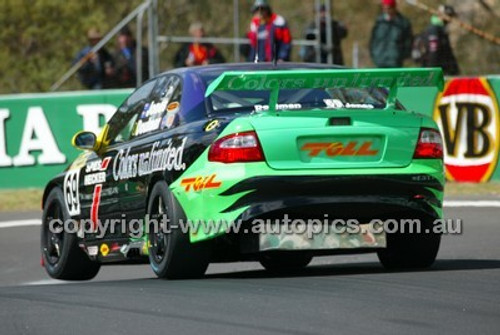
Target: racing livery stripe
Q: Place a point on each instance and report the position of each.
(94, 212)
(278, 192)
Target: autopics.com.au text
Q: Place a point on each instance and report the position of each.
(136, 228)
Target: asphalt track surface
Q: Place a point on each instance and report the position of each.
(335, 295)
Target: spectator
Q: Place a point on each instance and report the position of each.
(391, 39)
(339, 32)
(432, 48)
(268, 32)
(125, 58)
(97, 69)
(196, 53)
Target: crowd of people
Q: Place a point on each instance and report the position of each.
(392, 40)
(391, 43)
(111, 70)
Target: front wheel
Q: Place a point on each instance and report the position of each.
(62, 258)
(171, 254)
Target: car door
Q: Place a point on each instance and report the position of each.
(100, 187)
(150, 143)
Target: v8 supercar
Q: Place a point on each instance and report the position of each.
(250, 162)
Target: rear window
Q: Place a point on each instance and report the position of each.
(297, 99)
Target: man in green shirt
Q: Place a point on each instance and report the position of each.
(391, 39)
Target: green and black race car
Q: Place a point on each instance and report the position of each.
(251, 162)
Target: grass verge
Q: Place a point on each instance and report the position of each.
(20, 200)
(468, 189)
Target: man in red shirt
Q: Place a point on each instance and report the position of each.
(268, 30)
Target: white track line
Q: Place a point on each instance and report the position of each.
(44, 282)
(447, 203)
(478, 203)
(20, 223)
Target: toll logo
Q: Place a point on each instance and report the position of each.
(468, 116)
(333, 149)
(200, 183)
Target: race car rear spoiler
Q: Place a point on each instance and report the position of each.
(276, 80)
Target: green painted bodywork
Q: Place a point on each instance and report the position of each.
(206, 205)
(394, 133)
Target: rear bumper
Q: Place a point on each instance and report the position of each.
(249, 191)
(337, 196)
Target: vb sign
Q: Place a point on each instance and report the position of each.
(468, 116)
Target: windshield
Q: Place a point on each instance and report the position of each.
(296, 99)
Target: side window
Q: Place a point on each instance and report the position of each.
(161, 110)
(121, 124)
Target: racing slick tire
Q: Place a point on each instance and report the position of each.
(61, 255)
(284, 261)
(410, 251)
(171, 254)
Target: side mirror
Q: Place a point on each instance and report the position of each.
(85, 140)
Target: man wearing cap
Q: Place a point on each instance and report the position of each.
(269, 35)
(391, 38)
(437, 47)
(98, 68)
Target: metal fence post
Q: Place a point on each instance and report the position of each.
(317, 5)
(138, 50)
(328, 27)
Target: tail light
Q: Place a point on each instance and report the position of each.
(234, 148)
(430, 144)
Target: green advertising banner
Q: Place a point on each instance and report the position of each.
(36, 132)
(36, 129)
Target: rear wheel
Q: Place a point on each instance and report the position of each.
(62, 258)
(410, 251)
(171, 254)
(283, 262)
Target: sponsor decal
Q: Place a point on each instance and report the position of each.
(115, 247)
(169, 118)
(336, 103)
(104, 249)
(173, 107)
(260, 108)
(126, 165)
(96, 175)
(106, 192)
(96, 171)
(143, 127)
(155, 108)
(71, 194)
(468, 116)
(92, 250)
(94, 178)
(334, 149)
(200, 183)
(265, 82)
(153, 113)
(212, 125)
